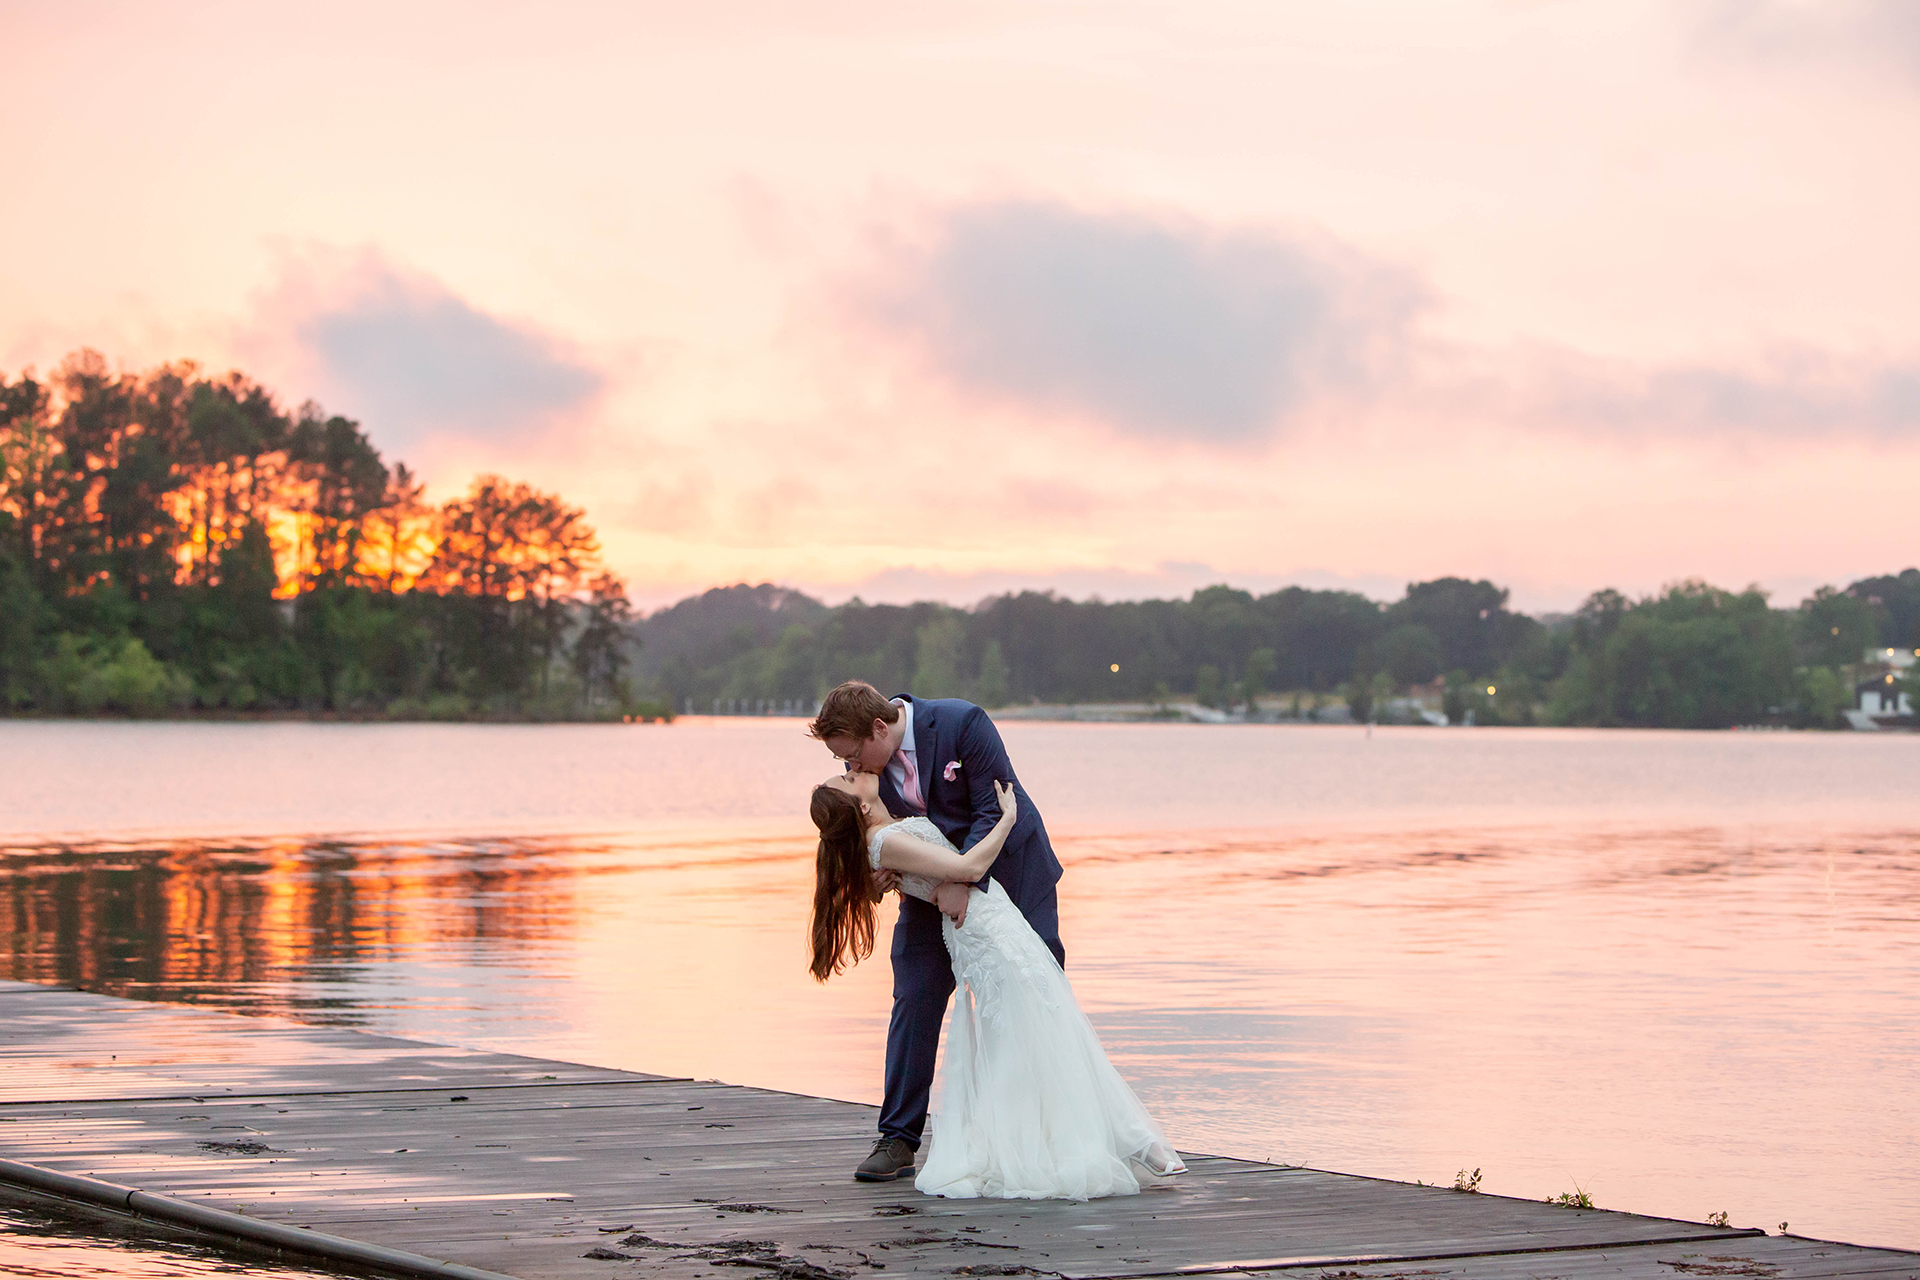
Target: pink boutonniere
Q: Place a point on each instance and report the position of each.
(952, 770)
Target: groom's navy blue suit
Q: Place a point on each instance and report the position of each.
(948, 732)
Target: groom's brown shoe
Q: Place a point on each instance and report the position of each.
(892, 1158)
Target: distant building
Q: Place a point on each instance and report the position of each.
(1896, 659)
(1882, 695)
(1879, 701)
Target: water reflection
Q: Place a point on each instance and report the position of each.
(275, 927)
(36, 1242)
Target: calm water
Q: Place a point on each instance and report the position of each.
(1679, 971)
(36, 1244)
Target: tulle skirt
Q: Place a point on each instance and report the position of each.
(1030, 1109)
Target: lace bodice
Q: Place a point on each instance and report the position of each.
(921, 829)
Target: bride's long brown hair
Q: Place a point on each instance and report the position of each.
(843, 895)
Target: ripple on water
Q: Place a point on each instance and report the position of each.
(38, 1242)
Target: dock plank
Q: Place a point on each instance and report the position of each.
(1761, 1257)
(537, 1164)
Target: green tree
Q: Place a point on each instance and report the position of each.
(1206, 685)
(791, 667)
(121, 677)
(990, 690)
(31, 466)
(1470, 699)
(344, 484)
(600, 649)
(1382, 689)
(1514, 693)
(1693, 657)
(1895, 600)
(1823, 696)
(1358, 693)
(235, 642)
(1258, 676)
(167, 535)
(1318, 636)
(234, 467)
(1834, 628)
(121, 435)
(509, 560)
(1225, 624)
(1410, 653)
(938, 653)
(19, 628)
(1468, 621)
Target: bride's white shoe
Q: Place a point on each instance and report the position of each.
(1162, 1162)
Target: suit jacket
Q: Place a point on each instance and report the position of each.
(947, 730)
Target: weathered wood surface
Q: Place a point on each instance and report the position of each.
(1760, 1257)
(525, 1167)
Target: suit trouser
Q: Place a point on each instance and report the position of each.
(922, 985)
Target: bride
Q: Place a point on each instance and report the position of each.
(1031, 1107)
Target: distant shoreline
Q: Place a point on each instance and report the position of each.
(1335, 716)
(1331, 716)
(223, 716)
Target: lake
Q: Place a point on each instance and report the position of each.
(1679, 971)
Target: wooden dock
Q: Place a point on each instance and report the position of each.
(539, 1169)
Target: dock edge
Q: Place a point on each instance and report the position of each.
(222, 1223)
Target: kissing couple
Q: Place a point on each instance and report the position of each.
(929, 805)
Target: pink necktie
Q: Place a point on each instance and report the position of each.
(910, 785)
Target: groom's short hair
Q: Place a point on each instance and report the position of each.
(850, 710)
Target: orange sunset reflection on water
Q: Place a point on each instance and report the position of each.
(1712, 1007)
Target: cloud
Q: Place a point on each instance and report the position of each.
(1793, 394)
(412, 359)
(1844, 33)
(1165, 329)
(1156, 326)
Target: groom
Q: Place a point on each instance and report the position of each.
(939, 757)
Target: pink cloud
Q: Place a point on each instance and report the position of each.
(1157, 325)
(412, 359)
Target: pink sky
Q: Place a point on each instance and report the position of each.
(930, 301)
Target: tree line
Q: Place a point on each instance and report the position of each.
(171, 541)
(1691, 656)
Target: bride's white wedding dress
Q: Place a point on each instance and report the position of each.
(1031, 1108)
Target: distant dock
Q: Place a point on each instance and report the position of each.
(450, 1162)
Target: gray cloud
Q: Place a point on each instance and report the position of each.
(1157, 327)
(1800, 394)
(1167, 330)
(1846, 34)
(411, 359)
